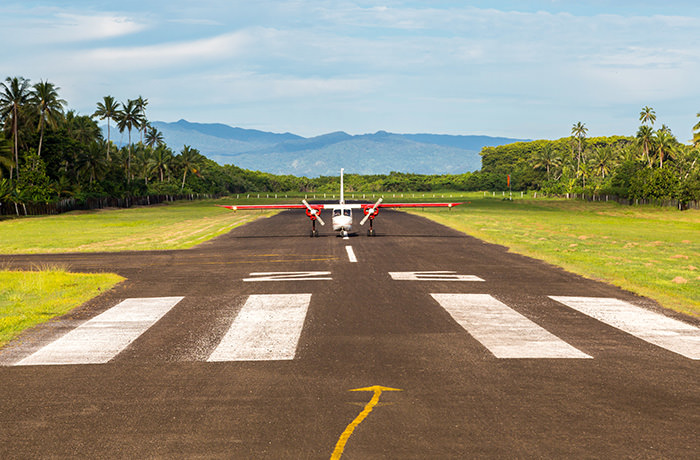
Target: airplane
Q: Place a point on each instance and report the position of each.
(341, 212)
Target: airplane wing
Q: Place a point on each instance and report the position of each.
(271, 206)
(313, 211)
(417, 205)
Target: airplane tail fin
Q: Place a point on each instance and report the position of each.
(342, 190)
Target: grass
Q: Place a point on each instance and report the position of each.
(28, 298)
(651, 251)
(177, 225)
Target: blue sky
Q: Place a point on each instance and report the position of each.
(501, 68)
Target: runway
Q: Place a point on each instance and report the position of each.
(247, 346)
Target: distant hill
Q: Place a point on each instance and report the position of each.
(378, 153)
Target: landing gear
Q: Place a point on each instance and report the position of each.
(314, 232)
(370, 232)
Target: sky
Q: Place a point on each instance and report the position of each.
(523, 69)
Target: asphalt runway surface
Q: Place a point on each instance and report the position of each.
(490, 364)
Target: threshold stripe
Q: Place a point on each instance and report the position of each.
(103, 337)
(503, 331)
(655, 328)
(267, 328)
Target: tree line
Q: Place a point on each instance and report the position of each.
(49, 153)
(652, 164)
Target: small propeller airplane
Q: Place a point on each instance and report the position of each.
(342, 212)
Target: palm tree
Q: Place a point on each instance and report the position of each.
(91, 162)
(82, 128)
(129, 117)
(547, 159)
(696, 133)
(50, 107)
(647, 115)
(579, 131)
(161, 161)
(141, 104)
(143, 160)
(108, 109)
(189, 159)
(154, 138)
(645, 140)
(603, 160)
(5, 155)
(15, 95)
(665, 144)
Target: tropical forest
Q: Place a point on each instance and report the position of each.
(49, 153)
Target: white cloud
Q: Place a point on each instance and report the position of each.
(182, 54)
(74, 27)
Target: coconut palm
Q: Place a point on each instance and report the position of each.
(6, 162)
(14, 96)
(161, 161)
(645, 141)
(143, 164)
(647, 115)
(108, 109)
(665, 144)
(92, 163)
(49, 105)
(129, 117)
(189, 159)
(546, 159)
(154, 138)
(603, 160)
(141, 104)
(579, 131)
(82, 128)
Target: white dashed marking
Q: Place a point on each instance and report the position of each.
(503, 331)
(351, 254)
(104, 336)
(267, 328)
(660, 330)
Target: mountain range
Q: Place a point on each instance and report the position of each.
(378, 153)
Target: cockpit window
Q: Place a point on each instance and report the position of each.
(346, 212)
(336, 212)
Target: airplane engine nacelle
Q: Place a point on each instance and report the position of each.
(313, 215)
(368, 212)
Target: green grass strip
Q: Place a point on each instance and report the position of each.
(178, 225)
(28, 298)
(652, 251)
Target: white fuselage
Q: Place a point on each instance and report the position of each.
(342, 219)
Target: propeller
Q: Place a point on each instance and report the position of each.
(314, 212)
(371, 211)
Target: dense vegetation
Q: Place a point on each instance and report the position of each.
(48, 154)
(651, 165)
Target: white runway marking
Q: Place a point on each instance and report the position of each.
(268, 327)
(351, 254)
(660, 330)
(288, 276)
(104, 336)
(432, 276)
(503, 331)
